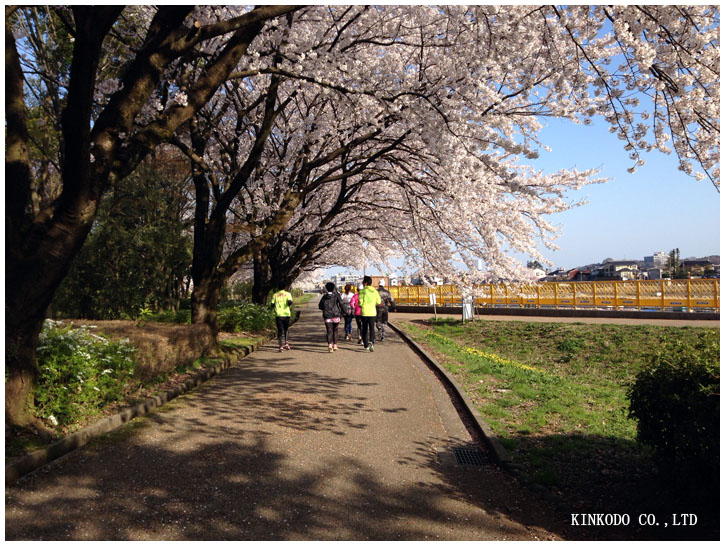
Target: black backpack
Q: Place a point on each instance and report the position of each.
(330, 305)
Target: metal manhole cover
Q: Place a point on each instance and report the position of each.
(469, 456)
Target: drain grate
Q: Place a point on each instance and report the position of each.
(469, 456)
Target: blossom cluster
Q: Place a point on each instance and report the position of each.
(371, 132)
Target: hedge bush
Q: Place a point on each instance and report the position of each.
(231, 317)
(248, 317)
(676, 401)
(182, 316)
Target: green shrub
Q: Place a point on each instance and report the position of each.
(676, 401)
(79, 373)
(248, 317)
(182, 316)
(231, 317)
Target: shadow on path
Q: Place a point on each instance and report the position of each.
(272, 450)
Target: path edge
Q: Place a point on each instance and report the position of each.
(501, 454)
(40, 457)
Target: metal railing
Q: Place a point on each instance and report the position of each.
(678, 295)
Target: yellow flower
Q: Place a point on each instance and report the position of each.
(490, 356)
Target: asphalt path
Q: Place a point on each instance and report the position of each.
(299, 445)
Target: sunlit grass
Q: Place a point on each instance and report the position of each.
(544, 387)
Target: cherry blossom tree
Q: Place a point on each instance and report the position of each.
(469, 87)
(110, 111)
(433, 110)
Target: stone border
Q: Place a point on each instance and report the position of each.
(32, 461)
(500, 453)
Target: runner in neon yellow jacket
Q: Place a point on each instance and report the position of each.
(282, 303)
(369, 299)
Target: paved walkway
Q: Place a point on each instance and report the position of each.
(293, 446)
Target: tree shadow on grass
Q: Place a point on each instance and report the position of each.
(605, 475)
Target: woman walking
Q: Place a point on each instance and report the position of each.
(347, 310)
(331, 307)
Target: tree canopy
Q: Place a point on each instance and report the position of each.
(333, 133)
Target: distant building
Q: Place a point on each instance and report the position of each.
(701, 267)
(346, 278)
(624, 270)
(658, 260)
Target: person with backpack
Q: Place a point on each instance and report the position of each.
(347, 310)
(282, 303)
(386, 301)
(369, 300)
(331, 307)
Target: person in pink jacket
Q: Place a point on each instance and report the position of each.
(357, 310)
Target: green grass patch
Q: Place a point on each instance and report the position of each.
(299, 301)
(551, 390)
(238, 342)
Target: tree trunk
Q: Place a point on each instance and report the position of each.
(262, 278)
(20, 355)
(204, 303)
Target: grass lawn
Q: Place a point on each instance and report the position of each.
(556, 396)
(304, 298)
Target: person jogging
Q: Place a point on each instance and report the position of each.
(348, 310)
(386, 302)
(369, 300)
(331, 307)
(358, 312)
(282, 303)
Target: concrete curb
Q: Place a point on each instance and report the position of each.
(43, 456)
(500, 453)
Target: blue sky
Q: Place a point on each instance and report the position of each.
(632, 215)
(657, 208)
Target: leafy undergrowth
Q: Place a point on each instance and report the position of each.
(556, 396)
(103, 380)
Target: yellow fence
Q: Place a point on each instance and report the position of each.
(686, 294)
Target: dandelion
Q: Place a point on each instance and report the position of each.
(490, 356)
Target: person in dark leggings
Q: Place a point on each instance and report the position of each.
(331, 307)
(369, 300)
(282, 303)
